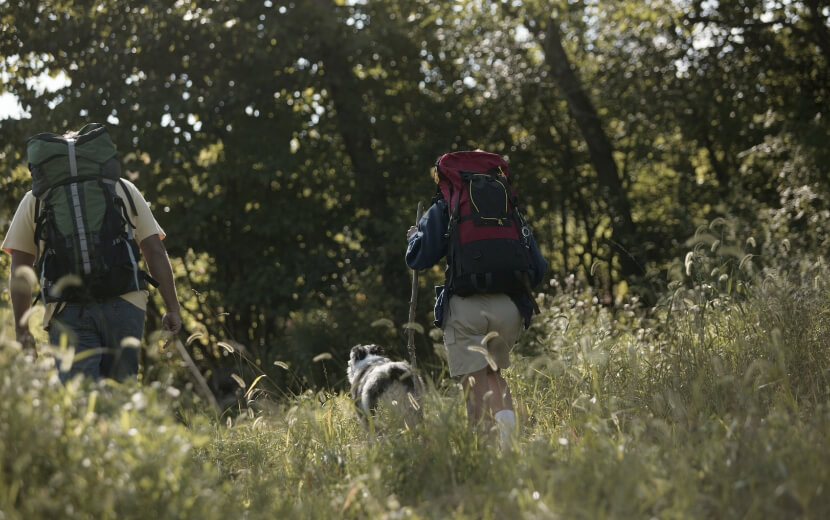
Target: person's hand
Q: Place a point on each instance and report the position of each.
(171, 322)
(411, 231)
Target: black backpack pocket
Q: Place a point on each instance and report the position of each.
(489, 266)
(122, 275)
(489, 199)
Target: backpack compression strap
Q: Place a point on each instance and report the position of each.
(78, 210)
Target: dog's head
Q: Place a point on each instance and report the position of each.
(361, 355)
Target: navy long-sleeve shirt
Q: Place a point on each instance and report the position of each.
(429, 245)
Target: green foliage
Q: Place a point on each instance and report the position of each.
(102, 451)
(707, 405)
(685, 406)
(284, 147)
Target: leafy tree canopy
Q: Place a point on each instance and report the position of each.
(284, 146)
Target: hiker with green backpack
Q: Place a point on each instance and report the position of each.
(83, 229)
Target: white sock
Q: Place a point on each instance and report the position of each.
(506, 423)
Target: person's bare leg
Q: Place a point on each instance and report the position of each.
(477, 391)
(502, 409)
(501, 399)
(488, 395)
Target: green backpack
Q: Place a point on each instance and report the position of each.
(88, 251)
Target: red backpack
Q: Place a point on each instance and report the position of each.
(488, 249)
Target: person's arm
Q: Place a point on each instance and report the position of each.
(21, 295)
(158, 263)
(428, 242)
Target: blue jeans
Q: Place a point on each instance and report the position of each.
(96, 330)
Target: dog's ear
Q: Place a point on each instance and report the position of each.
(374, 349)
(359, 352)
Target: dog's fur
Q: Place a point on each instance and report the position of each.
(377, 381)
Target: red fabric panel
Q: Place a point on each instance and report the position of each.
(469, 232)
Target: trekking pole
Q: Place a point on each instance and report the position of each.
(194, 371)
(413, 299)
(201, 383)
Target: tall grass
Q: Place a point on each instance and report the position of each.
(714, 404)
(705, 408)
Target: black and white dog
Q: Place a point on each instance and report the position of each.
(377, 382)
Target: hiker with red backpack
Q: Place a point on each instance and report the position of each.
(83, 228)
(493, 262)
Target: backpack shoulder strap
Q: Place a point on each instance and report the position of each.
(129, 197)
(438, 195)
(40, 219)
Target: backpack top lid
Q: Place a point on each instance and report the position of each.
(453, 166)
(49, 157)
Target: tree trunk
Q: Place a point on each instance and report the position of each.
(599, 147)
(353, 125)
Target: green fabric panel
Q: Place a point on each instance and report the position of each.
(61, 200)
(93, 200)
(96, 205)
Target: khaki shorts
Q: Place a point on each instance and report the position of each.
(469, 320)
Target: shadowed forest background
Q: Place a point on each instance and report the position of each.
(284, 148)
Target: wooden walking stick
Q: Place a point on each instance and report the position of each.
(413, 300)
(200, 379)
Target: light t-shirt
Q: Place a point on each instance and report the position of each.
(21, 234)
